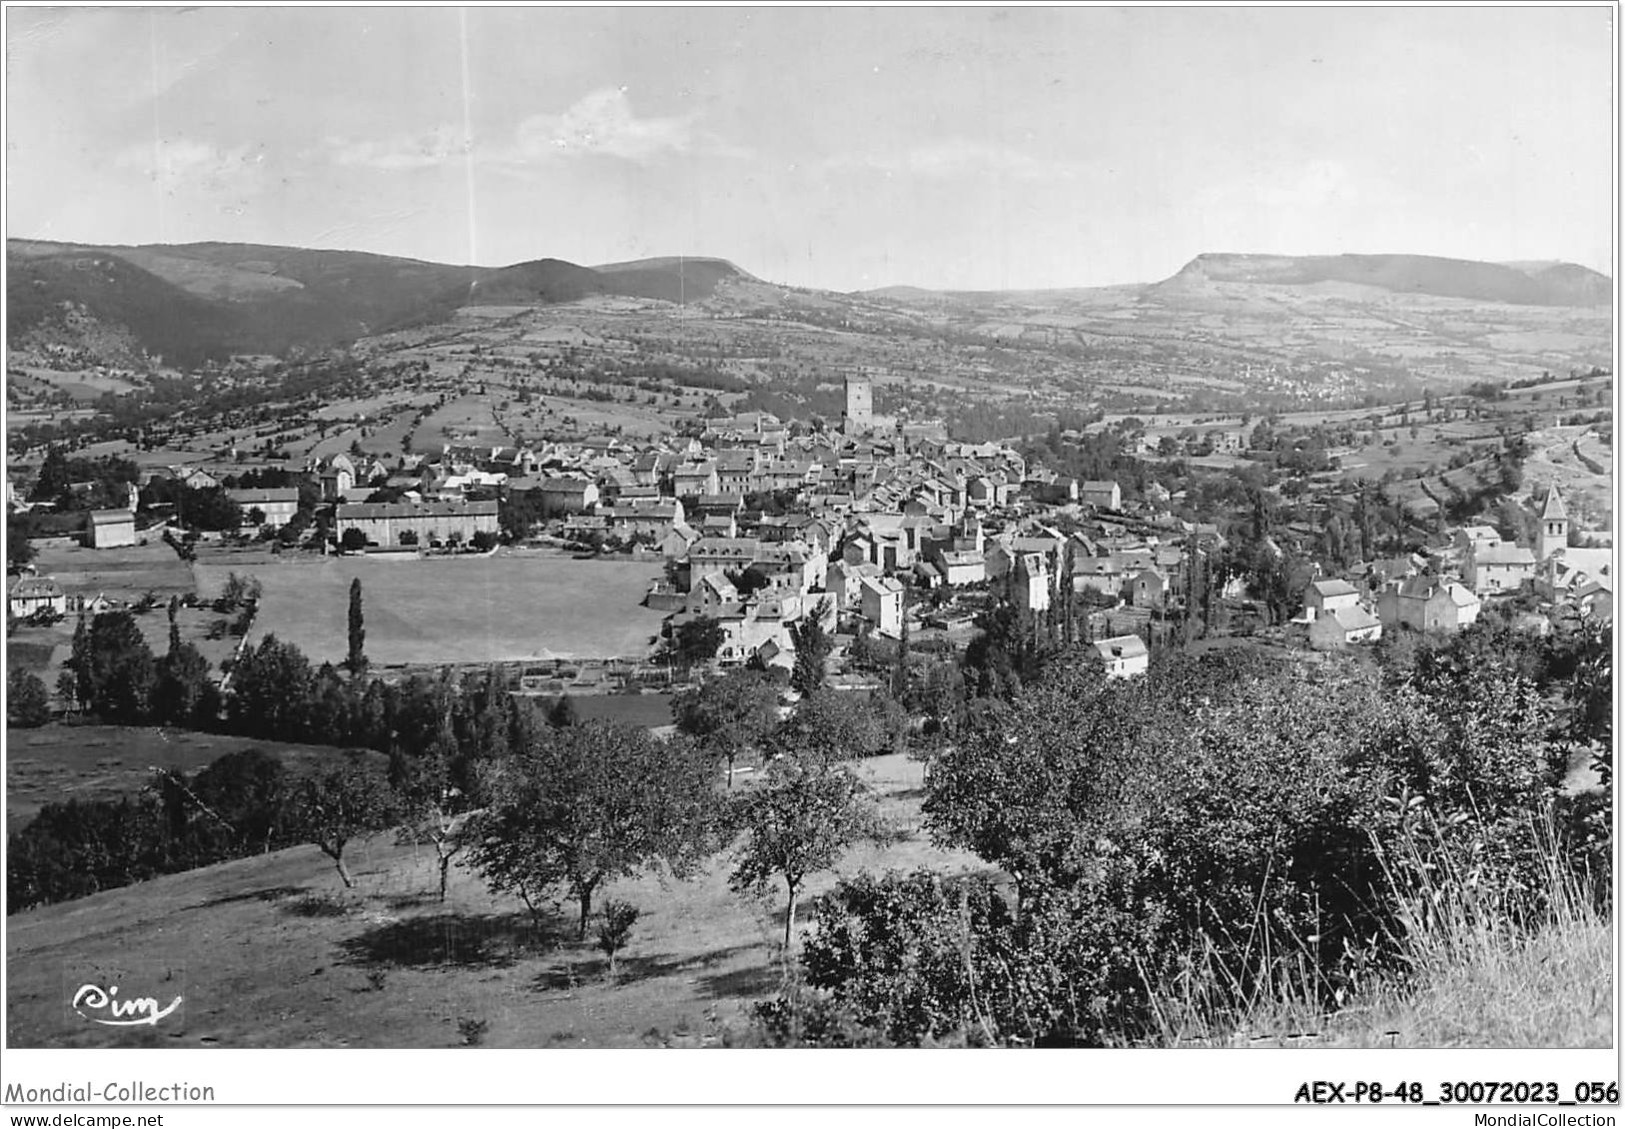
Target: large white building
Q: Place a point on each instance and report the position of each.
(277, 504)
(392, 524)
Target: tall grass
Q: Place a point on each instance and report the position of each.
(1462, 960)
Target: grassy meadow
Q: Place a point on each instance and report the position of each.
(274, 952)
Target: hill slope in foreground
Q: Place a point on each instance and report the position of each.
(273, 952)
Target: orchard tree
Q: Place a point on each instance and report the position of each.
(730, 715)
(344, 802)
(435, 809)
(798, 820)
(576, 807)
(840, 724)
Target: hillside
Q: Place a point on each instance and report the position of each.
(1540, 284)
(190, 302)
(276, 953)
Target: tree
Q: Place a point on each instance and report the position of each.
(20, 550)
(804, 813)
(272, 686)
(697, 640)
(484, 541)
(238, 592)
(174, 625)
(839, 724)
(344, 802)
(729, 715)
(900, 681)
(182, 686)
(813, 645)
(750, 579)
(116, 668)
(563, 713)
(577, 807)
(435, 809)
(28, 703)
(67, 689)
(353, 541)
(356, 660)
(615, 928)
(251, 796)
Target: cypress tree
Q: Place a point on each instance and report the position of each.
(356, 662)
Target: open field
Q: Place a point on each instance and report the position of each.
(275, 953)
(456, 610)
(1553, 461)
(125, 573)
(98, 762)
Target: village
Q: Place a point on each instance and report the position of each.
(747, 525)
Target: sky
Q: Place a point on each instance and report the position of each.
(839, 148)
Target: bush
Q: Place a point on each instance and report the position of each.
(472, 1031)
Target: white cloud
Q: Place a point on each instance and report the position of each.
(403, 151)
(601, 124)
(176, 161)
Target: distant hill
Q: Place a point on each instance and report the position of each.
(672, 279)
(85, 299)
(1532, 284)
(189, 302)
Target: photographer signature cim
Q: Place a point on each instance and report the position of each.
(102, 1005)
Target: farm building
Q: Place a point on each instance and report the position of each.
(108, 529)
(29, 594)
(389, 523)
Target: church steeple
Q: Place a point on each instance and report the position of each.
(1554, 525)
